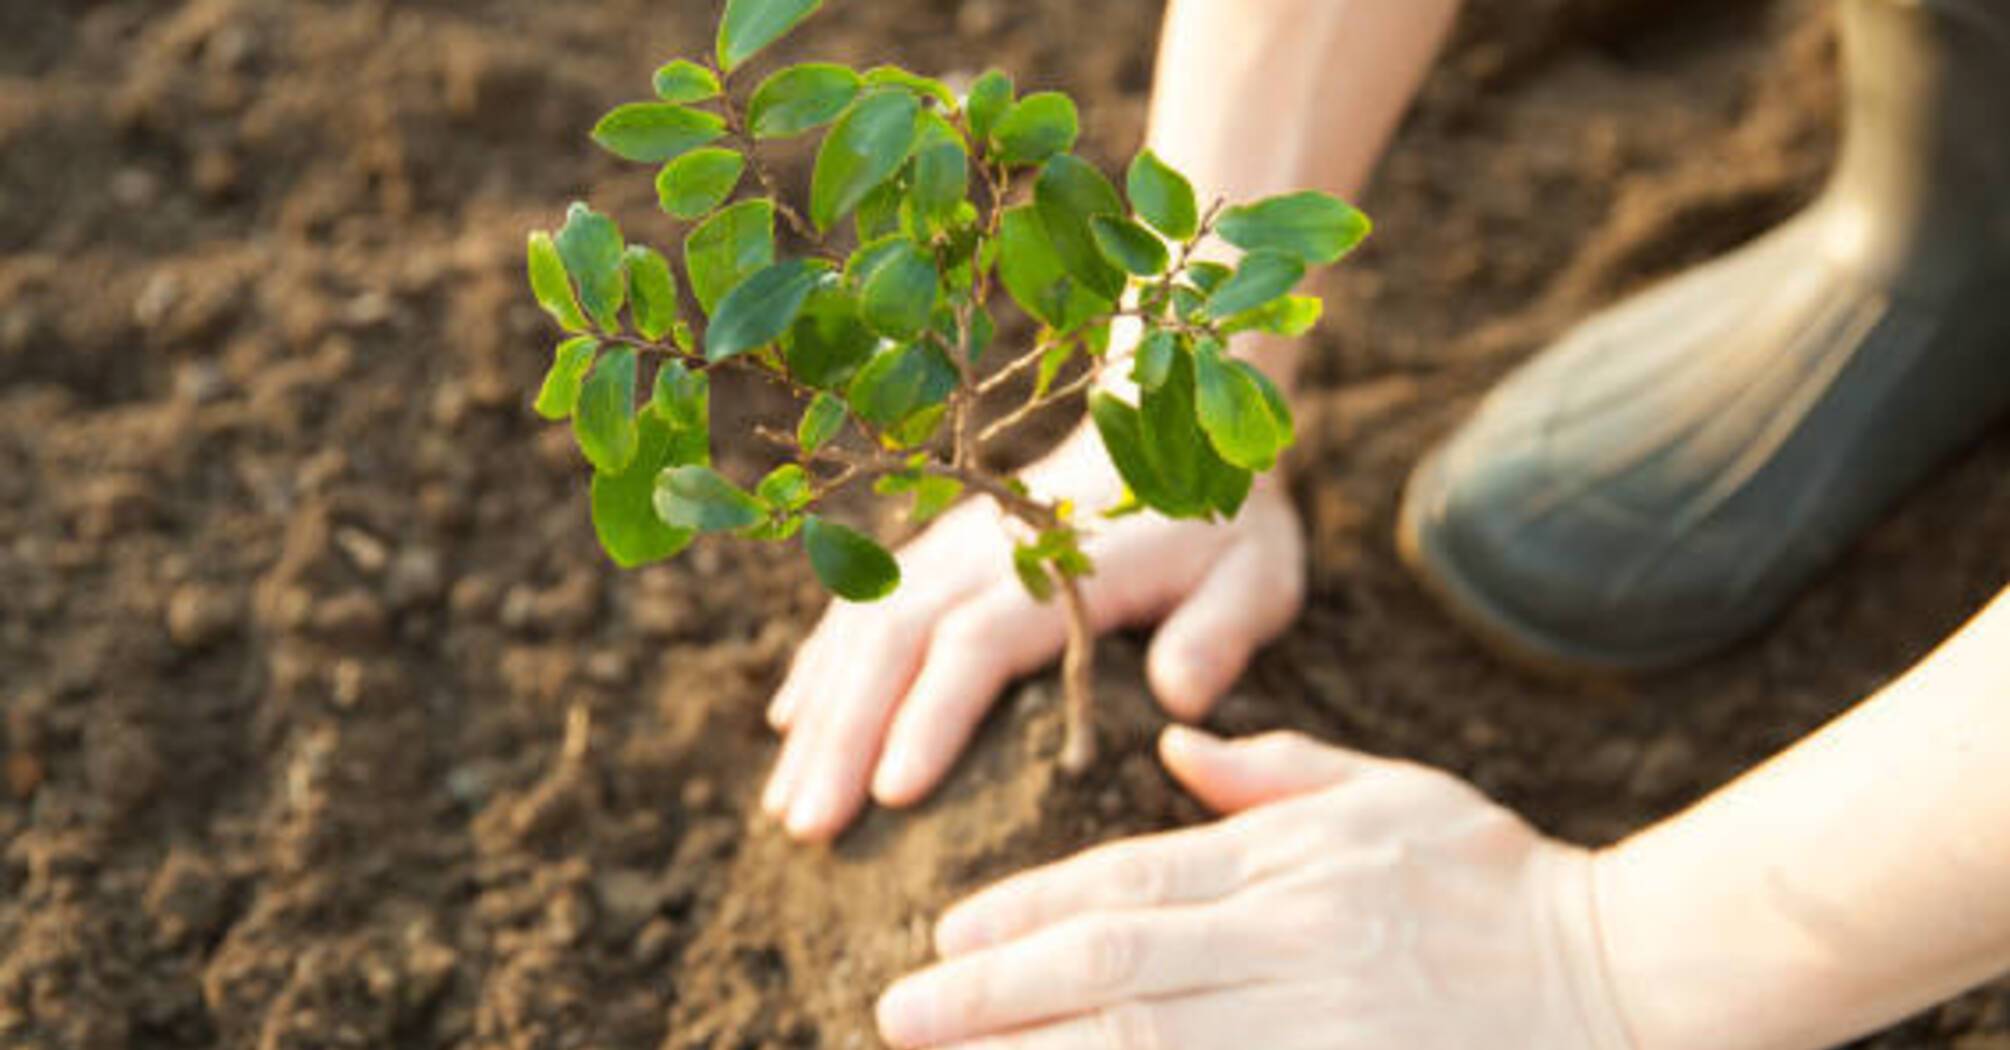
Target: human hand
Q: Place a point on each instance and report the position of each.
(1353, 902)
(885, 696)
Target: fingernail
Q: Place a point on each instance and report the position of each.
(810, 811)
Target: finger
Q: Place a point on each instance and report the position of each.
(803, 670)
(975, 649)
(1083, 965)
(1231, 776)
(1248, 598)
(1172, 868)
(871, 675)
(1269, 1016)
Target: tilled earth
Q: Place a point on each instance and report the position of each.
(327, 726)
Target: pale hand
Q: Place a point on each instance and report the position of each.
(1353, 903)
(883, 697)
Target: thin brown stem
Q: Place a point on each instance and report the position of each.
(1078, 744)
(1035, 405)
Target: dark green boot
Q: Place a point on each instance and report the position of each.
(1668, 477)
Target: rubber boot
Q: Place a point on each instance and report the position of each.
(1669, 476)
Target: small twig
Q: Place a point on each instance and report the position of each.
(1031, 407)
(1078, 744)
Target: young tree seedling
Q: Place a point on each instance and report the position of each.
(876, 317)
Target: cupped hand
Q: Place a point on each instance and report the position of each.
(883, 697)
(1353, 902)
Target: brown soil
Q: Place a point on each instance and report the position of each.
(326, 725)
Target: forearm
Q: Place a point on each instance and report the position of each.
(1259, 97)
(1852, 880)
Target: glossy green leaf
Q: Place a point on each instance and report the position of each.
(702, 500)
(624, 506)
(1162, 196)
(866, 147)
(652, 292)
(729, 247)
(828, 342)
(978, 335)
(1031, 568)
(1184, 459)
(682, 397)
(1070, 192)
(685, 81)
(990, 98)
(1036, 278)
(1051, 362)
(1155, 359)
(941, 181)
(559, 394)
(878, 215)
(1292, 316)
(656, 132)
(849, 564)
(932, 493)
(1207, 276)
(604, 421)
(898, 295)
(1122, 431)
(786, 488)
(821, 421)
(760, 309)
(799, 98)
(900, 381)
(1129, 245)
(591, 248)
(1263, 277)
(1234, 411)
(1316, 228)
(750, 25)
(927, 87)
(550, 284)
(1037, 127)
(699, 181)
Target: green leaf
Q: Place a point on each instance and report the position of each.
(990, 98)
(785, 489)
(683, 398)
(878, 215)
(898, 295)
(1155, 359)
(604, 421)
(559, 395)
(1031, 569)
(702, 500)
(1036, 278)
(1050, 366)
(655, 132)
(894, 76)
(1162, 196)
(1122, 430)
(760, 309)
(1130, 245)
(729, 247)
(821, 421)
(917, 428)
(1291, 316)
(624, 508)
(591, 248)
(1207, 276)
(695, 183)
(1317, 228)
(652, 292)
(685, 81)
(941, 180)
(977, 338)
(933, 493)
(1234, 410)
(1070, 191)
(551, 286)
(850, 565)
(1262, 277)
(868, 145)
(799, 98)
(1037, 127)
(828, 342)
(750, 25)
(1191, 472)
(900, 381)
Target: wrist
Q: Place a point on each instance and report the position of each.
(1586, 996)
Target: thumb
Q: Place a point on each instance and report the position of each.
(1203, 646)
(1231, 776)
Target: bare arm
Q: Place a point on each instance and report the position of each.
(1852, 880)
(1258, 97)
